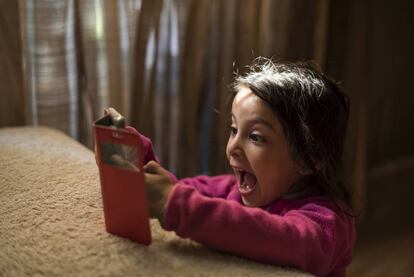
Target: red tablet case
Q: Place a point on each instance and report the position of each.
(122, 184)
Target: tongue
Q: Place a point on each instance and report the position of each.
(249, 181)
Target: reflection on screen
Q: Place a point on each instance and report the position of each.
(120, 155)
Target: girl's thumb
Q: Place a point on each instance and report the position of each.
(153, 168)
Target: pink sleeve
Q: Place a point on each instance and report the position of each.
(213, 186)
(313, 238)
(217, 186)
(149, 154)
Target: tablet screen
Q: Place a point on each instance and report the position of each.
(120, 155)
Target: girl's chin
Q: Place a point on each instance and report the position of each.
(257, 202)
(249, 203)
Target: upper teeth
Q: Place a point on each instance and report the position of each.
(239, 171)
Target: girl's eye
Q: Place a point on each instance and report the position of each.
(233, 131)
(256, 138)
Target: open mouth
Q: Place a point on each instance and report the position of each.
(247, 181)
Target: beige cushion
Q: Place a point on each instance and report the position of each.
(51, 220)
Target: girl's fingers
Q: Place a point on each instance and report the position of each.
(154, 168)
(151, 167)
(152, 179)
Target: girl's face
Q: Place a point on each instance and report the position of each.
(258, 151)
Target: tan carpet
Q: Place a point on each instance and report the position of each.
(51, 220)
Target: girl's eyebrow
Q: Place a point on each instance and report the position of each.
(257, 120)
(233, 118)
(261, 121)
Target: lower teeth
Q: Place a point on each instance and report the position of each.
(245, 186)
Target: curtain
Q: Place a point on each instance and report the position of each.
(77, 61)
(164, 64)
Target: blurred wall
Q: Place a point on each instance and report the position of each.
(390, 128)
(370, 49)
(11, 73)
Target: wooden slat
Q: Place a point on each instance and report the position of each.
(142, 109)
(148, 111)
(265, 35)
(358, 84)
(192, 80)
(85, 105)
(164, 99)
(113, 53)
(12, 108)
(246, 26)
(225, 44)
(300, 24)
(279, 31)
(93, 93)
(320, 34)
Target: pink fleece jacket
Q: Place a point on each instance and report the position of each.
(310, 233)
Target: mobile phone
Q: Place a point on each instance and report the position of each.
(119, 155)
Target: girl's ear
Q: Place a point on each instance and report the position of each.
(304, 170)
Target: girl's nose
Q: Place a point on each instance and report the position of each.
(234, 148)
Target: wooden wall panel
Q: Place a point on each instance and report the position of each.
(390, 132)
(12, 109)
(193, 79)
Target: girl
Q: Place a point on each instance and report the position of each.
(284, 204)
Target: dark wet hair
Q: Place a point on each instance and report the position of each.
(313, 111)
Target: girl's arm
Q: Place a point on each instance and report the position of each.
(159, 180)
(217, 186)
(148, 151)
(212, 186)
(313, 238)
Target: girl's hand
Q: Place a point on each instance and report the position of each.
(158, 184)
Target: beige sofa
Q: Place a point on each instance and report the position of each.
(51, 220)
